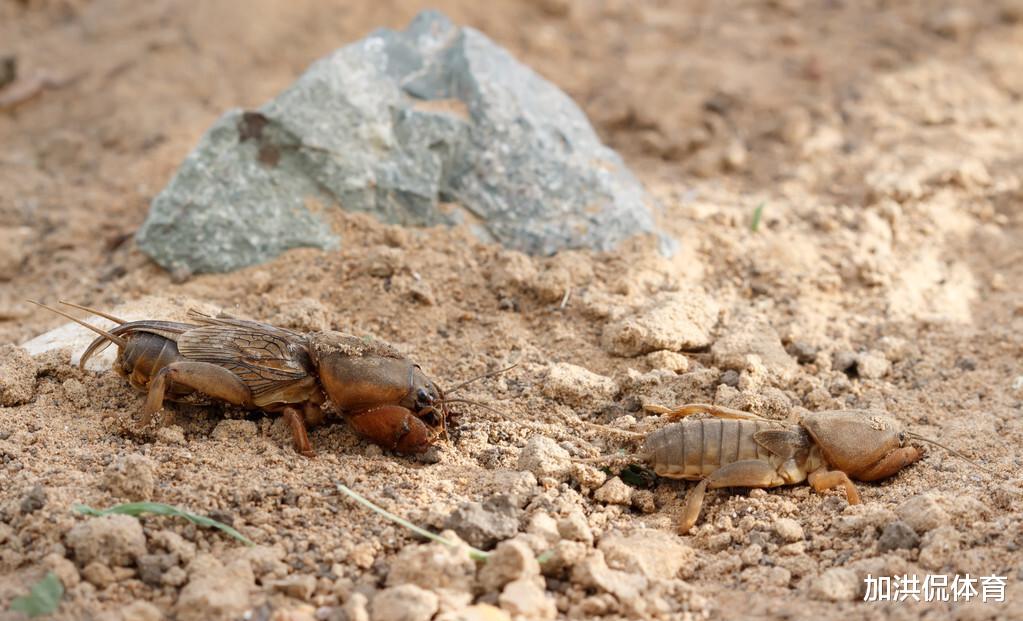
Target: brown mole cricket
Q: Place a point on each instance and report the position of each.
(827, 449)
(384, 396)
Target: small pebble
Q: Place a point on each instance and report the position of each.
(299, 586)
(545, 459)
(406, 602)
(836, 585)
(614, 492)
(510, 561)
(939, 548)
(575, 527)
(922, 513)
(524, 599)
(575, 385)
(788, 530)
(898, 535)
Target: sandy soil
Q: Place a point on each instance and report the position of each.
(881, 142)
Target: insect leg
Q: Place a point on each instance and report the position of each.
(298, 432)
(718, 411)
(207, 378)
(746, 473)
(822, 479)
(313, 414)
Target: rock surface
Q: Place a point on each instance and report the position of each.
(482, 524)
(392, 125)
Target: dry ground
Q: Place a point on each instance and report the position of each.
(880, 140)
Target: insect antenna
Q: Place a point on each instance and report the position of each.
(951, 450)
(479, 377)
(470, 402)
(612, 458)
(113, 338)
(93, 311)
(610, 430)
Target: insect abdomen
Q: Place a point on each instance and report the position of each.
(693, 449)
(145, 355)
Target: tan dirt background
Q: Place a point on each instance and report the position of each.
(881, 139)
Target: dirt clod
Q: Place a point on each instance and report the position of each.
(110, 540)
(545, 459)
(922, 513)
(788, 530)
(575, 527)
(17, 376)
(836, 585)
(672, 320)
(653, 553)
(749, 341)
(406, 602)
(234, 430)
(34, 500)
(299, 587)
(614, 492)
(214, 591)
(574, 385)
(525, 599)
(939, 548)
(511, 560)
(132, 477)
(433, 566)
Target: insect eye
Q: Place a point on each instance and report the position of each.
(902, 438)
(423, 397)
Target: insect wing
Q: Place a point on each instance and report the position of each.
(267, 361)
(784, 443)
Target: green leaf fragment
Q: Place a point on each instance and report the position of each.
(43, 599)
(757, 214)
(136, 509)
(474, 553)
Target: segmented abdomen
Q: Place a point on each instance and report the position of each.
(145, 355)
(695, 448)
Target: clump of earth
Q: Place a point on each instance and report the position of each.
(844, 185)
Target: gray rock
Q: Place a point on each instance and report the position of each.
(34, 500)
(390, 125)
(482, 525)
(898, 535)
